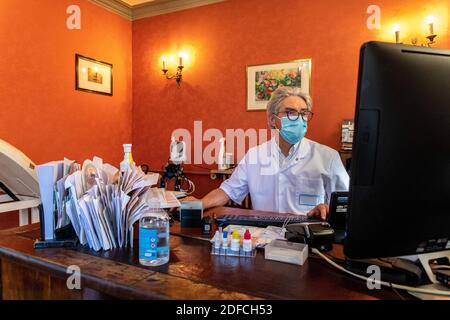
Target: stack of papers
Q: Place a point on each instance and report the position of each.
(101, 210)
(101, 204)
(163, 199)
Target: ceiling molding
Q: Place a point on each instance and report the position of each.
(116, 6)
(155, 9)
(150, 9)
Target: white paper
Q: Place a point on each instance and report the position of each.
(103, 211)
(46, 179)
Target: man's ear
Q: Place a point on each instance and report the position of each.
(272, 122)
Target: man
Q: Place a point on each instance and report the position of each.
(289, 173)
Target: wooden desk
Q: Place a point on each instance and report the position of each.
(191, 274)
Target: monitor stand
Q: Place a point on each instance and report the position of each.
(424, 260)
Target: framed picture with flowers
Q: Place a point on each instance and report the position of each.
(262, 80)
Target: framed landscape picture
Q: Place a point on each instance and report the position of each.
(262, 80)
(93, 76)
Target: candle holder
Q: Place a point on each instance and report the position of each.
(431, 38)
(430, 21)
(178, 76)
(397, 36)
(396, 30)
(432, 35)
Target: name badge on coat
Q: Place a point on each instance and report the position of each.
(309, 200)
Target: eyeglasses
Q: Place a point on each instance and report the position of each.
(294, 115)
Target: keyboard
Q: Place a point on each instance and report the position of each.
(263, 221)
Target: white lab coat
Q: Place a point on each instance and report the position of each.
(295, 184)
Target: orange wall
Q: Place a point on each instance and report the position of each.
(222, 39)
(41, 113)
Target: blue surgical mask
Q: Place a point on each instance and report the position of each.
(293, 131)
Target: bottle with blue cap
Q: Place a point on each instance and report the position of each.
(154, 244)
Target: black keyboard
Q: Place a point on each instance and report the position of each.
(263, 221)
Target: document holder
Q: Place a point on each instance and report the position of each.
(65, 237)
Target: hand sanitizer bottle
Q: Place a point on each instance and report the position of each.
(154, 244)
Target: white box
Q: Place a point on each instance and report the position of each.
(285, 251)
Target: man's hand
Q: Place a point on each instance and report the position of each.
(190, 198)
(322, 211)
(176, 210)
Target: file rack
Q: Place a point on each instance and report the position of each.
(228, 252)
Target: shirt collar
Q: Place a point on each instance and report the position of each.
(300, 149)
(305, 148)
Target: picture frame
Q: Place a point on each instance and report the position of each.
(93, 76)
(263, 79)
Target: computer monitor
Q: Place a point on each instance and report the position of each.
(399, 200)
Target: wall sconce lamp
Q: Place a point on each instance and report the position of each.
(414, 41)
(178, 76)
(396, 30)
(430, 21)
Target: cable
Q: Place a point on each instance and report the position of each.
(335, 259)
(191, 189)
(398, 293)
(384, 283)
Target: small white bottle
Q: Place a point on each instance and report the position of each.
(247, 242)
(177, 151)
(127, 159)
(225, 240)
(217, 242)
(221, 159)
(235, 241)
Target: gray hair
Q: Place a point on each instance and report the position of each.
(282, 93)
